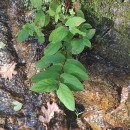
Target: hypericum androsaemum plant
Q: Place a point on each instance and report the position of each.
(69, 36)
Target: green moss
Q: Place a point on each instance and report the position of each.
(96, 10)
(99, 9)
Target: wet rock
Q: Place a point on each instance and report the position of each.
(108, 69)
(6, 103)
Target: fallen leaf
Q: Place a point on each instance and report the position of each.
(48, 113)
(17, 105)
(2, 45)
(7, 71)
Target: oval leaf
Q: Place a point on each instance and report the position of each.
(44, 75)
(58, 34)
(40, 19)
(77, 63)
(72, 82)
(52, 72)
(52, 48)
(46, 85)
(47, 60)
(36, 3)
(76, 71)
(87, 42)
(74, 21)
(90, 33)
(77, 46)
(66, 97)
(23, 35)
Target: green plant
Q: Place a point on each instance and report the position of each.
(62, 73)
(27, 4)
(77, 113)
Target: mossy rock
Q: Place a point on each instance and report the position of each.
(111, 18)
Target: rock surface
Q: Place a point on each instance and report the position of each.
(108, 66)
(111, 18)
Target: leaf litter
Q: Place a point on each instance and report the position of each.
(48, 112)
(8, 70)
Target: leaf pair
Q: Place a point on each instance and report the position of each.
(52, 80)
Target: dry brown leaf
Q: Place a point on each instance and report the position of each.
(48, 113)
(7, 71)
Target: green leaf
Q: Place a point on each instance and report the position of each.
(47, 20)
(2, 45)
(90, 33)
(51, 12)
(77, 46)
(74, 21)
(23, 35)
(76, 71)
(52, 48)
(54, 5)
(45, 75)
(36, 3)
(80, 14)
(39, 35)
(57, 17)
(71, 11)
(46, 85)
(77, 63)
(72, 82)
(52, 72)
(52, 59)
(86, 26)
(87, 42)
(58, 9)
(17, 105)
(56, 68)
(66, 97)
(58, 34)
(40, 19)
(74, 31)
(29, 26)
(68, 37)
